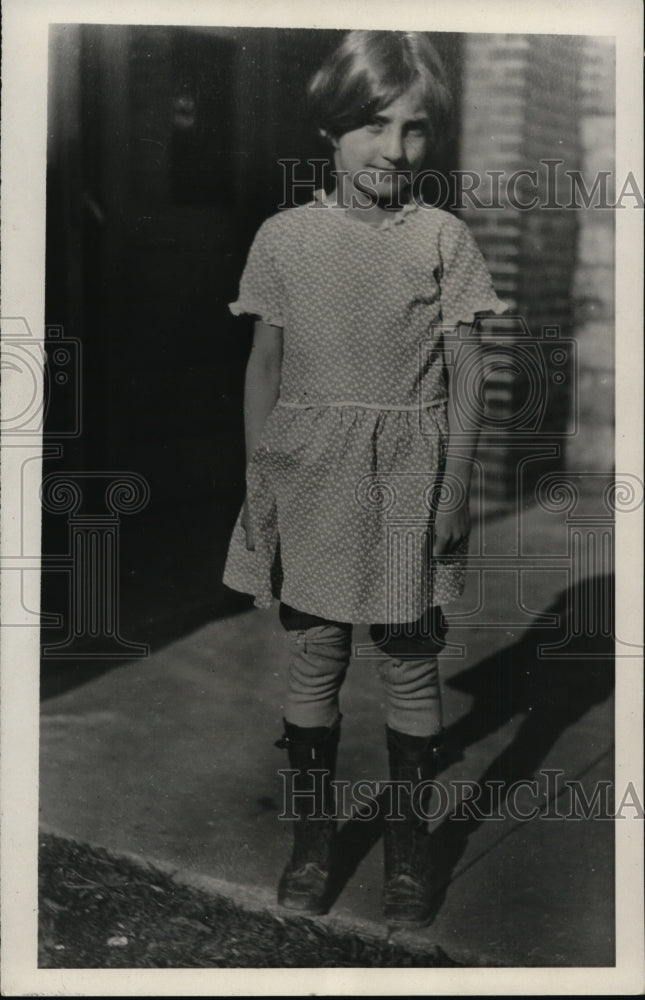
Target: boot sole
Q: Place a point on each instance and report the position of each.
(302, 902)
(398, 924)
(296, 906)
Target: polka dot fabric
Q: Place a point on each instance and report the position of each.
(341, 484)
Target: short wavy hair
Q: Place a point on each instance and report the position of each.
(371, 69)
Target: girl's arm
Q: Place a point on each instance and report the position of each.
(261, 390)
(465, 413)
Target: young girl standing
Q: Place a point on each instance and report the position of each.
(358, 461)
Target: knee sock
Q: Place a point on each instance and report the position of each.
(318, 660)
(413, 695)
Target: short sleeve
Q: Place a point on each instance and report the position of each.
(261, 291)
(465, 281)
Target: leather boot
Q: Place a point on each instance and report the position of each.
(305, 880)
(406, 898)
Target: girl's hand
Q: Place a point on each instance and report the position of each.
(246, 524)
(450, 528)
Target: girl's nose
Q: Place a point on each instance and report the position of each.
(393, 146)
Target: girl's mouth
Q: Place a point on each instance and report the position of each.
(390, 172)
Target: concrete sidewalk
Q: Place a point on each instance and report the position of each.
(172, 758)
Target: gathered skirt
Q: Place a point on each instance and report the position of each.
(341, 501)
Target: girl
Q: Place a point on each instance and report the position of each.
(357, 483)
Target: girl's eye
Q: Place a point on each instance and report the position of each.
(375, 126)
(418, 130)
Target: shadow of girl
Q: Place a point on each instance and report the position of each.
(552, 692)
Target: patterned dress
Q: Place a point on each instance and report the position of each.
(341, 485)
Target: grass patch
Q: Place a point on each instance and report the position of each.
(100, 911)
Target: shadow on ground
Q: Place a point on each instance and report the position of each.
(552, 676)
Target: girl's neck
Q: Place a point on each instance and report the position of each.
(360, 205)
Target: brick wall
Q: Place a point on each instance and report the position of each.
(592, 448)
(521, 106)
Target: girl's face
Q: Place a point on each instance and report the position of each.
(381, 157)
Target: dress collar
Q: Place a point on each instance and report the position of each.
(393, 219)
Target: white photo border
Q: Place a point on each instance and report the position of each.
(24, 106)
